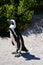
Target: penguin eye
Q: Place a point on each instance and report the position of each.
(12, 23)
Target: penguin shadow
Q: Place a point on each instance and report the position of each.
(29, 56)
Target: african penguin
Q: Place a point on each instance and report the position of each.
(16, 35)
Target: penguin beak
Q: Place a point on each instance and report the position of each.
(9, 21)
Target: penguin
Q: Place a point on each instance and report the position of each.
(16, 35)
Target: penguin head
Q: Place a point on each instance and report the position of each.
(12, 22)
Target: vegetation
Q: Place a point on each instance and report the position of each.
(20, 10)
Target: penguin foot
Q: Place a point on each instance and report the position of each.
(18, 55)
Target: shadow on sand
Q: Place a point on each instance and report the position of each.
(29, 56)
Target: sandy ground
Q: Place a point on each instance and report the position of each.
(33, 42)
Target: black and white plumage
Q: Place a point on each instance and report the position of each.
(15, 35)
